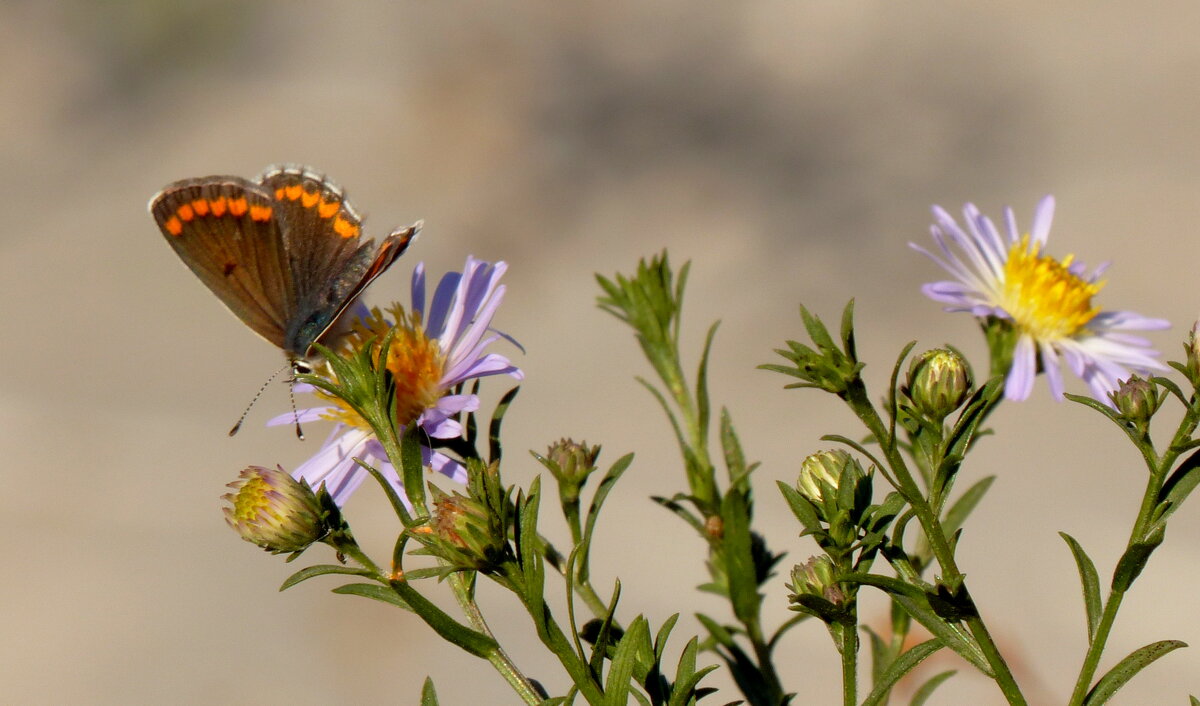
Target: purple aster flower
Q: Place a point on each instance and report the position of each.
(1046, 302)
(435, 349)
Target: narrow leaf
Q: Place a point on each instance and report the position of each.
(1131, 564)
(428, 695)
(494, 450)
(1181, 483)
(739, 557)
(321, 570)
(1124, 670)
(1090, 580)
(920, 696)
(904, 664)
(606, 485)
(616, 687)
(958, 512)
(476, 643)
(375, 592)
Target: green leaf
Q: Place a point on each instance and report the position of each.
(664, 632)
(529, 548)
(1124, 670)
(1180, 484)
(1090, 580)
(848, 330)
(879, 650)
(735, 459)
(702, 401)
(428, 695)
(920, 696)
(375, 592)
(892, 401)
(904, 664)
(816, 330)
(801, 508)
(958, 512)
(321, 570)
(494, 450)
(606, 485)
(616, 687)
(1195, 701)
(448, 628)
(739, 558)
(916, 603)
(412, 469)
(1132, 562)
(605, 634)
(687, 677)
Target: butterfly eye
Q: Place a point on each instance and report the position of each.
(301, 367)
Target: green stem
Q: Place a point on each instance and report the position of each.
(1091, 660)
(498, 658)
(766, 667)
(553, 637)
(860, 404)
(850, 661)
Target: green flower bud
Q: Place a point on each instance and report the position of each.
(939, 381)
(1191, 350)
(467, 536)
(273, 510)
(821, 473)
(1136, 399)
(571, 462)
(814, 591)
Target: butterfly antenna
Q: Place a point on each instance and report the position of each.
(292, 397)
(238, 426)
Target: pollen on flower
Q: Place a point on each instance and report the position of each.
(1042, 295)
(415, 361)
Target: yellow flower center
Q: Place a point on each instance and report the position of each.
(1043, 297)
(415, 361)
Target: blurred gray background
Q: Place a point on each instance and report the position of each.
(789, 149)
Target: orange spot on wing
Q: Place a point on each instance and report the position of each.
(260, 213)
(218, 206)
(345, 228)
(238, 206)
(328, 208)
(309, 199)
(293, 192)
(185, 213)
(200, 206)
(279, 194)
(173, 226)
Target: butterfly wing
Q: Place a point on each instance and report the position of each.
(331, 263)
(226, 229)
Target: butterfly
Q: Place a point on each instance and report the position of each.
(284, 252)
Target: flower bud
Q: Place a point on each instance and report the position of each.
(938, 382)
(1136, 399)
(815, 578)
(571, 462)
(467, 535)
(273, 510)
(1191, 350)
(821, 473)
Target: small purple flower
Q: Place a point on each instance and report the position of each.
(1047, 302)
(434, 350)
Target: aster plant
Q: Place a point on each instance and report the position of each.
(880, 509)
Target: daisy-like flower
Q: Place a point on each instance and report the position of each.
(1005, 279)
(435, 349)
